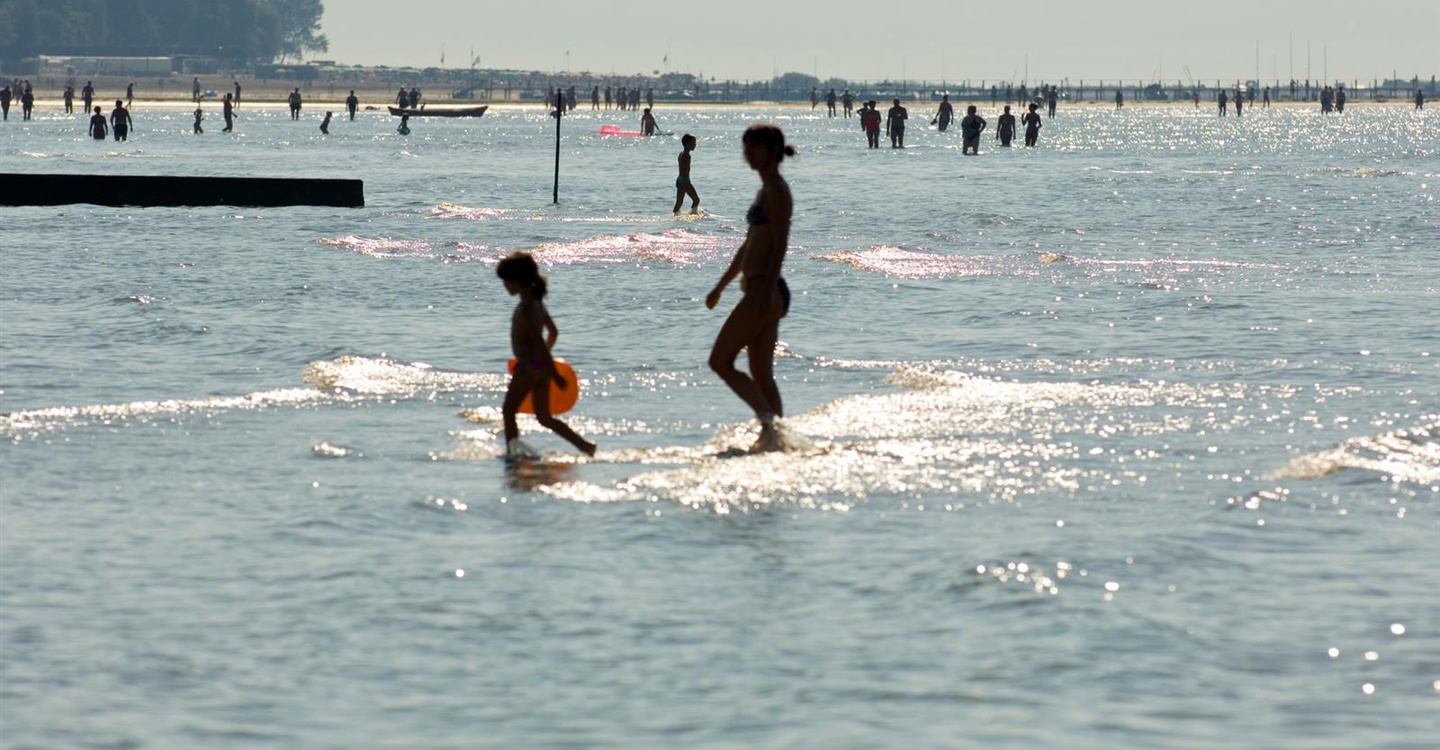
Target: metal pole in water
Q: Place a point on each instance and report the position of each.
(559, 112)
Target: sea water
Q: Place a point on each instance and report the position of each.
(1128, 440)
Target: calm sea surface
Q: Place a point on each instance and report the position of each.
(1131, 440)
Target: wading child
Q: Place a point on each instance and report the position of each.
(532, 333)
(683, 186)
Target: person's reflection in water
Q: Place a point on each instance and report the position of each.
(529, 474)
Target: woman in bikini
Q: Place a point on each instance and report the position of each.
(754, 324)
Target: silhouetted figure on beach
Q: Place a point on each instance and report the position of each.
(120, 121)
(294, 100)
(1419, 99)
(352, 104)
(945, 115)
(830, 102)
(895, 119)
(1327, 100)
(129, 94)
(1119, 98)
(1224, 103)
(1340, 100)
(994, 94)
(325, 124)
(1239, 103)
(98, 129)
(1032, 124)
(87, 95)
(1265, 102)
(5, 96)
(69, 99)
(236, 101)
(595, 98)
(1052, 99)
(848, 100)
(814, 98)
(971, 126)
(1005, 127)
(27, 102)
(195, 90)
(870, 123)
(227, 110)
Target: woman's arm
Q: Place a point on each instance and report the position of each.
(713, 298)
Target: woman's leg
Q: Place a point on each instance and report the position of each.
(739, 331)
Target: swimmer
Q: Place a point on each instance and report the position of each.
(404, 128)
(754, 323)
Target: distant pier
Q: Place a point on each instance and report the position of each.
(145, 190)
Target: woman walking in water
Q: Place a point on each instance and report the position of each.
(754, 324)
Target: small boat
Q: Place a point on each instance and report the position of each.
(439, 111)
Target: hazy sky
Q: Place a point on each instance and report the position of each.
(918, 39)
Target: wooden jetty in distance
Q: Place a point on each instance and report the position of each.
(158, 190)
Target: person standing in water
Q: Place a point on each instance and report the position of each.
(1119, 99)
(1005, 127)
(970, 129)
(647, 122)
(294, 101)
(120, 121)
(870, 121)
(532, 335)
(754, 323)
(895, 121)
(227, 110)
(199, 115)
(325, 123)
(945, 115)
(1032, 125)
(404, 128)
(352, 103)
(683, 186)
(98, 129)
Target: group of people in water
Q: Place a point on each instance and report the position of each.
(971, 125)
(119, 122)
(753, 324)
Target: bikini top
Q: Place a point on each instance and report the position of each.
(755, 216)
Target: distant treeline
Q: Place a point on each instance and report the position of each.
(242, 30)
